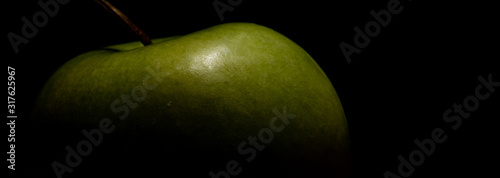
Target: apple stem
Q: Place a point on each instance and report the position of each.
(112, 9)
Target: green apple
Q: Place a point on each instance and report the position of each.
(236, 99)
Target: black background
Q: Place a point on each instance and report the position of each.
(393, 92)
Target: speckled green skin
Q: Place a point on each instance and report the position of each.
(220, 86)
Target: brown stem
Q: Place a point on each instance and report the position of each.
(112, 9)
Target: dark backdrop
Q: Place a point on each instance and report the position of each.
(393, 92)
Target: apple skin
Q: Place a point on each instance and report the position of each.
(218, 86)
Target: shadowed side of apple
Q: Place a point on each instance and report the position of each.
(233, 100)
